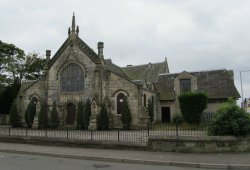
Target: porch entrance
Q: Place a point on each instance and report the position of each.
(165, 115)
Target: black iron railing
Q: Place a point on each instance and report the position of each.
(164, 129)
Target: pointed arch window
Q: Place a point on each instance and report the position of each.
(72, 78)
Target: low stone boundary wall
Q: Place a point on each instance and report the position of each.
(74, 143)
(199, 144)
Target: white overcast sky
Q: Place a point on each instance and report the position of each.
(194, 35)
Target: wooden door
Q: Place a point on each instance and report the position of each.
(71, 113)
(120, 103)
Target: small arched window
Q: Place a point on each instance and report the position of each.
(72, 78)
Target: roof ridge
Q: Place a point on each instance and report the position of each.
(128, 66)
(162, 74)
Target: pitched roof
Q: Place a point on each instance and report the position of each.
(148, 72)
(115, 69)
(217, 84)
(26, 85)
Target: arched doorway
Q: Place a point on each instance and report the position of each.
(71, 114)
(120, 103)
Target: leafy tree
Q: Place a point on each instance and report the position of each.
(103, 121)
(30, 113)
(230, 119)
(14, 64)
(86, 114)
(150, 110)
(15, 119)
(126, 116)
(43, 116)
(79, 116)
(192, 105)
(7, 97)
(11, 63)
(54, 116)
(33, 66)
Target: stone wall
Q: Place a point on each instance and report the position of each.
(117, 84)
(200, 144)
(72, 54)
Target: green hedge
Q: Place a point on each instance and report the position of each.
(126, 116)
(103, 121)
(30, 113)
(43, 116)
(54, 116)
(15, 119)
(79, 116)
(86, 114)
(230, 119)
(192, 104)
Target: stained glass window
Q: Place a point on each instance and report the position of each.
(72, 78)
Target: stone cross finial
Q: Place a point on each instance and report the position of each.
(69, 31)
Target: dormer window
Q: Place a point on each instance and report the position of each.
(185, 85)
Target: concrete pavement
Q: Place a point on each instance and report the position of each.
(212, 160)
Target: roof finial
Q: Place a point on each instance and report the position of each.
(77, 30)
(73, 22)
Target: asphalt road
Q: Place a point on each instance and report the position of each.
(11, 161)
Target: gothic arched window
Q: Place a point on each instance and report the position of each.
(72, 78)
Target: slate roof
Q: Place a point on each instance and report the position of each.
(148, 72)
(115, 69)
(218, 84)
(26, 85)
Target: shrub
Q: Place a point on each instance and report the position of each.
(150, 110)
(230, 119)
(86, 114)
(126, 116)
(177, 118)
(103, 121)
(192, 105)
(7, 97)
(14, 120)
(43, 116)
(30, 113)
(54, 116)
(79, 118)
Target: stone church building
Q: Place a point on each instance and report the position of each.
(77, 73)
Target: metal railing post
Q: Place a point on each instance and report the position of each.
(148, 129)
(9, 131)
(67, 134)
(118, 135)
(176, 127)
(26, 132)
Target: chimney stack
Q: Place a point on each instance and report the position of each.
(48, 53)
(100, 47)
